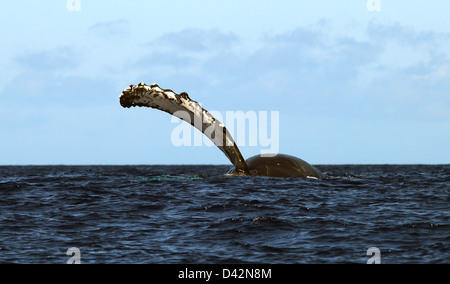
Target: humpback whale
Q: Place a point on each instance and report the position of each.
(183, 107)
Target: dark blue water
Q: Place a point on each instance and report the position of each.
(192, 214)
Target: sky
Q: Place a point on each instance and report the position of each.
(353, 81)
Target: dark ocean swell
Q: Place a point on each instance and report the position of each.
(193, 214)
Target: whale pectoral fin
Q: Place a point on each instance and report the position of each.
(182, 106)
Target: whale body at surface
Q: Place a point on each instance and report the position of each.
(183, 107)
(281, 165)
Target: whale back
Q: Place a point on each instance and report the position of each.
(281, 165)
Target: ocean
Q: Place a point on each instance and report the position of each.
(183, 214)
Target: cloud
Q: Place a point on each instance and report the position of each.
(434, 68)
(41, 90)
(403, 34)
(197, 40)
(308, 68)
(304, 66)
(111, 30)
(56, 59)
(164, 58)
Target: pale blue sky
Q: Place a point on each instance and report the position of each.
(350, 85)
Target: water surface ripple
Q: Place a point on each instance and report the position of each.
(193, 214)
